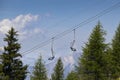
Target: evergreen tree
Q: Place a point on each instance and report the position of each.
(39, 72)
(116, 54)
(72, 76)
(91, 63)
(108, 63)
(2, 76)
(12, 65)
(58, 71)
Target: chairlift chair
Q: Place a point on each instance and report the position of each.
(52, 51)
(73, 43)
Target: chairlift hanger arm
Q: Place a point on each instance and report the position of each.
(74, 33)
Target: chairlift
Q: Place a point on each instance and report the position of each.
(52, 51)
(73, 42)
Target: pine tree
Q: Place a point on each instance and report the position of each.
(39, 72)
(12, 65)
(108, 63)
(58, 71)
(116, 54)
(72, 76)
(91, 63)
(2, 76)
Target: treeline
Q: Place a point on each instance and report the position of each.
(99, 60)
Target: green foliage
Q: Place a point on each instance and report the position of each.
(58, 71)
(12, 66)
(72, 76)
(91, 63)
(116, 54)
(39, 72)
(2, 76)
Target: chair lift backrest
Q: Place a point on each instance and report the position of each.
(72, 44)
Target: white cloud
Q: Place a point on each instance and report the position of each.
(5, 25)
(22, 20)
(19, 23)
(37, 30)
(29, 33)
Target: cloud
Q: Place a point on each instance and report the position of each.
(36, 30)
(28, 33)
(5, 25)
(1, 49)
(22, 20)
(19, 23)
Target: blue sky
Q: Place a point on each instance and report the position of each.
(39, 20)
